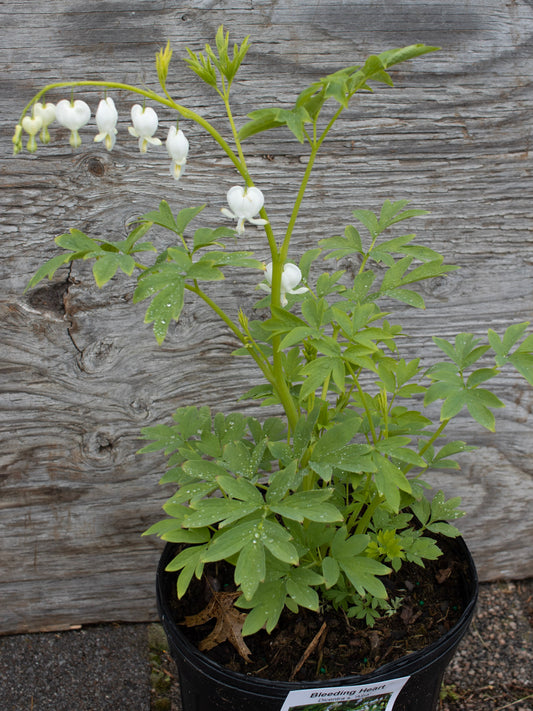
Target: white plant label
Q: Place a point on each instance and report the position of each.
(379, 696)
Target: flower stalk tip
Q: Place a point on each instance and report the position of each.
(162, 61)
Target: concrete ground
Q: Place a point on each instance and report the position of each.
(125, 667)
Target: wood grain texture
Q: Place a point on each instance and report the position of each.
(78, 368)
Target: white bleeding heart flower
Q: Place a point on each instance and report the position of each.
(73, 115)
(47, 114)
(244, 203)
(290, 279)
(106, 120)
(32, 126)
(145, 122)
(178, 149)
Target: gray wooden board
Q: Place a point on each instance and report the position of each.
(78, 367)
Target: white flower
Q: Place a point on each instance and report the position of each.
(290, 279)
(144, 121)
(47, 114)
(106, 120)
(32, 126)
(73, 115)
(178, 149)
(244, 203)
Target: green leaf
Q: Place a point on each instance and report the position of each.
(206, 512)
(390, 480)
(335, 438)
(105, 267)
(77, 242)
(330, 571)
(185, 216)
(182, 535)
(406, 296)
(48, 269)
(262, 120)
(240, 488)
(453, 404)
(395, 56)
(482, 414)
(308, 505)
(226, 543)
(343, 246)
(283, 480)
(265, 607)
(445, 510)
(480, 376)
(278, 541)
(168, 304)
(165, 307)
(162, 217)
(317, 371)
(250, 569)
(362, 572)
(368, 219)
(523, 362)
(303, 594)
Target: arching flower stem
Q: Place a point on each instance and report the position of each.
(153, 96)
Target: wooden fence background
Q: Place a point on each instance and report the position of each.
(78, 368)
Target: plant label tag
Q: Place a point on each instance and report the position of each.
(379, 696)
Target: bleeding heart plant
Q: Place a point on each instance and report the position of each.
(317, 505)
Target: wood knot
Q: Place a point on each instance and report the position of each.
(98, 445)
(98, 356)
(96, 166)
(49, 298)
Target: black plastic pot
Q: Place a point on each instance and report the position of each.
(208, 686)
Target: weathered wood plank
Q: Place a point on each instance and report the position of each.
(77, 376)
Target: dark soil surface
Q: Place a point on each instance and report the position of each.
(310, 646)
(493, 668)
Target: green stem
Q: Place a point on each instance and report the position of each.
(264, 367)
(315, 147)
(430, 441)
(364, 522)
(297, 204)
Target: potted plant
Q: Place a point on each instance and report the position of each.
(317, 516)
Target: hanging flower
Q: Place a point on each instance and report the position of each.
(106, 120)
(144, 121)
(244, 203)
(178, 149)
(290, 279)
(73, 115)
(32, 126)
(47, 114)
